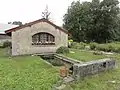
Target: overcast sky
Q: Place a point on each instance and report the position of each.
(30, 10)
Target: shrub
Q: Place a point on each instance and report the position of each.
(107, 47)
(76, 45)
(117, 50)
(87, 48)
(62, 50)
(103, 47)
(93, 46)
(110, 48)
(7, 44)
(1, 46)
(97, 53)
(82, 43)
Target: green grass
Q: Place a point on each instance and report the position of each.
(83, 55)
(26, 73)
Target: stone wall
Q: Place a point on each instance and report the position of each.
(22, 39)
(93, 67)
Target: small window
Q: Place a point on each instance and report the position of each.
(43, 39)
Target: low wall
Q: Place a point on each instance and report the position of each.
(92, 67)
(69, 62)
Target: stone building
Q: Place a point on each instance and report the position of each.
(40, 36)
(4, 37)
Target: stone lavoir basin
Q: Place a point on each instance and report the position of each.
(80, 69)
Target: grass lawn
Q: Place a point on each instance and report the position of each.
(83, 55)
(31, 73)
(26, 73)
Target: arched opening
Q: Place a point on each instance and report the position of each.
(43, 39)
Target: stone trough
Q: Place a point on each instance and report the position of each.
(83, 69)
(92, 67)
(80, 69)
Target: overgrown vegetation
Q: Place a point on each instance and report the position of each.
(108, 47)
(62, 50)
(7, 44)
(80, 45)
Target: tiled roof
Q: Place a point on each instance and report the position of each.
(4, 27)
(34, 22)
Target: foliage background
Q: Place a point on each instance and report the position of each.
(96, 21)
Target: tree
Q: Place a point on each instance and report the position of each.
(46, 13)
(16, 23)
(77, 20)
(93, 21)
(109, 18)
(107, 21)
(95, 13)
